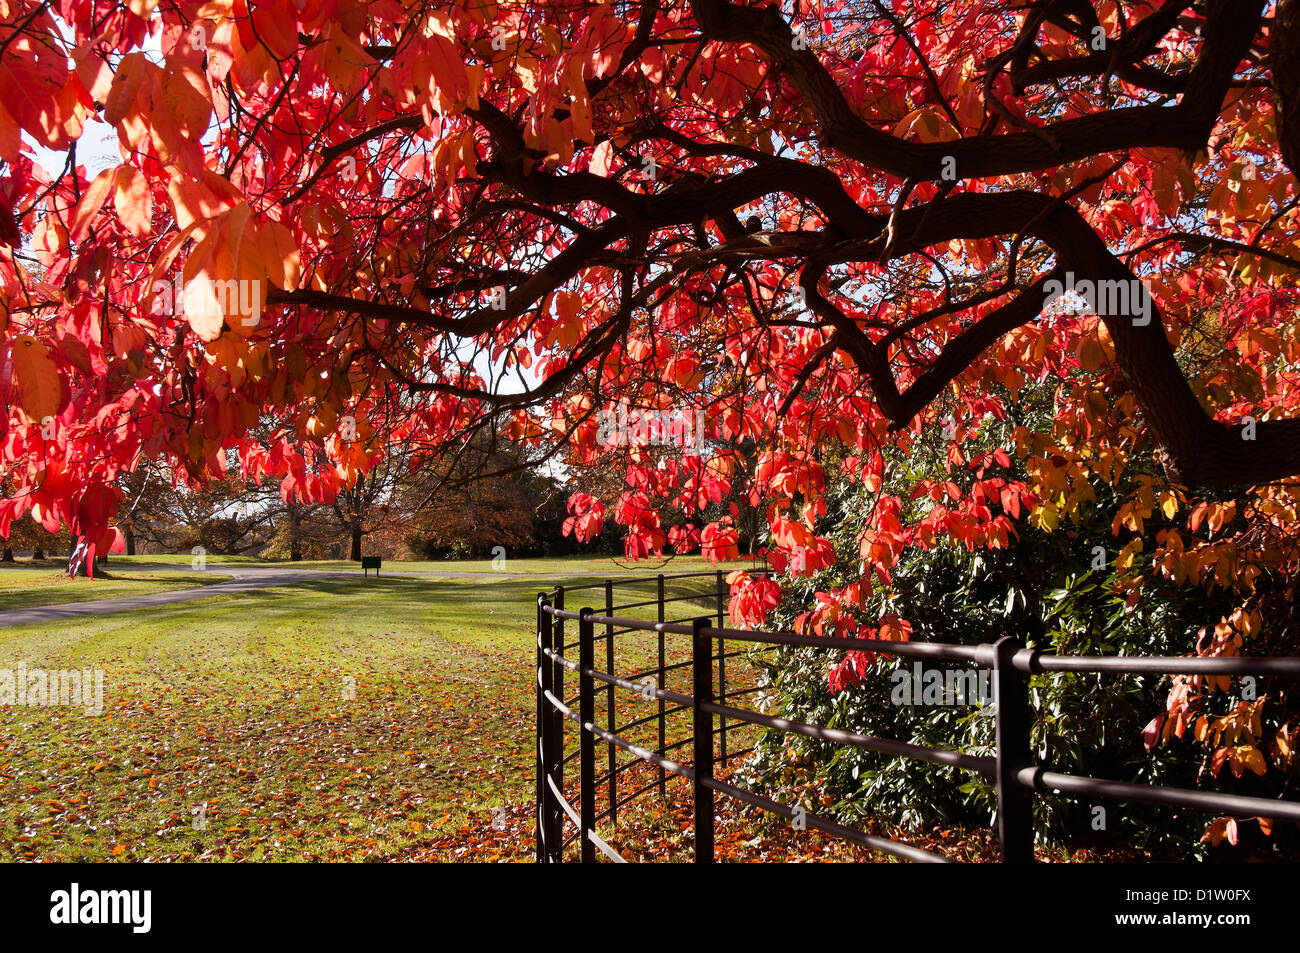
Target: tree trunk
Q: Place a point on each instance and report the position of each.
(355, 554)
(38, 554)
(82, 570)
(1284, 54)
(8, 555)
(295, 534)
(130, 542)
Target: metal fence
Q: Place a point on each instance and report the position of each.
(1016, 776)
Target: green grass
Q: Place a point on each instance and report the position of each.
(29, 588)
(238, 706)
(595, 565)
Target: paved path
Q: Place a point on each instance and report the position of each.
(244, 578)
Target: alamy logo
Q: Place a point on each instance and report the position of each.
(39, 687)
(74, 906)
(1108, 297)
(633, 427)
(234, 298)
(920, 686)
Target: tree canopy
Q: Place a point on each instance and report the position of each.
(800, 223)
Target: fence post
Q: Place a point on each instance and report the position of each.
(1015, 805)
(557, 731)
(586, 734)
(548, 729)
(611, 723)
(722, 671)
(663, 741)
(543, 684)
(702, 732)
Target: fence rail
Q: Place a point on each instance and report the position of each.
(1012, 769)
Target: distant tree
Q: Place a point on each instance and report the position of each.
(361, 509)
(490, 494)
(27, 534)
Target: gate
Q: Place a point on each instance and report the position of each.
(704, 639)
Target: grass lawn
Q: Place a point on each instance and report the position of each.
(342, 719)
(28, 588)
(334, 719)
(597, 566)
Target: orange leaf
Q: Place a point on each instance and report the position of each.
(447, 68)
(274, 25)
(202, 308)
(38, 378)
(279, 255)
(92, 200)
(131, 74)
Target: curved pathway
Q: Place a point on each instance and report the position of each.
(244, 578)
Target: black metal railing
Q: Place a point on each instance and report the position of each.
(1012, 769)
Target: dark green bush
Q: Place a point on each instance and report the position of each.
(1045, 590)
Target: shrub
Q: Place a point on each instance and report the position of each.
(1057, 589)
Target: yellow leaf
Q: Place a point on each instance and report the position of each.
(1282, 746)
(133, 201)
(202, 307)
(1090, 354)
(925, 125)
(215, 10)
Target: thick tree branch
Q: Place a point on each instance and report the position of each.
(1230, 28)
